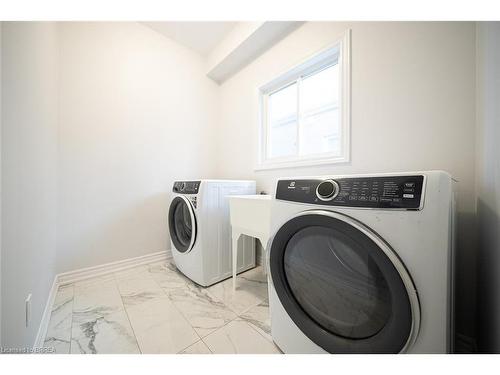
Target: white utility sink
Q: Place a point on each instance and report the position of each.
(249, 215)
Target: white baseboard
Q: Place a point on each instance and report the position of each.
(168, 254)
(86, 273)
(103, 269)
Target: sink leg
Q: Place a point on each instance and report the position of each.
(235, 258)
(263, 243)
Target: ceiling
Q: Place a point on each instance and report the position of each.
(202, 37)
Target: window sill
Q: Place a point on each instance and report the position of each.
(300, 163)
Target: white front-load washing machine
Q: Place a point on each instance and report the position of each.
(362, 263)
(200, 231)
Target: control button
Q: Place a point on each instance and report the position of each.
(363, 198)
(408, 190)
(373, 199)
(408, 195)
(327, 190)
(409, 184)
(183, 186)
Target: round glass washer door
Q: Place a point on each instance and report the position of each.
(182, 224)
(342, 285)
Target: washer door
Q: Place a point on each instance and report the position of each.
(342, 285)
(182, 224)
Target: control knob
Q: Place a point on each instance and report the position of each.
(327, 190)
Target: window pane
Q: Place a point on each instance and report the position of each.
(283, 103)
(320, 122)
(320, 89)
(320, 133)
(282, 118)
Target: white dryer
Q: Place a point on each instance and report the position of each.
(200, 232)
(362, 264)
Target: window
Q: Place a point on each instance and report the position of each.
(305, 112)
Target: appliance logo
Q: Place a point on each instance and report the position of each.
(291, 185)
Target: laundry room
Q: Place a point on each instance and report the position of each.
(249, 187)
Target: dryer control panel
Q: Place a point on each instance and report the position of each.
(186, 187)
(383, 192)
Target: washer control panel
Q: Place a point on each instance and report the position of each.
(386, 192)
(186, 187)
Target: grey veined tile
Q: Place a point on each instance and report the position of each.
(198, 348)
(168, 277)
(94, 282)
(135, 291)
(251, 290)
(158, 267)
(95, 296)
(254, 280)
(201, 310)
(259, 318)
(160, 327)
(59, 329)
(100, 324)
(102, 332)
(239, 338)
(141, 271)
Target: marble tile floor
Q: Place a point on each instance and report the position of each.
(153, 308)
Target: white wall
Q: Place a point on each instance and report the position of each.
(413, 108)
(29, 181)
(137, 112)
(488, 185)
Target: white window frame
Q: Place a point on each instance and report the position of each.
(339, 50)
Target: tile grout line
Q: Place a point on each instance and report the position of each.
(250, 308)
(215, 330)
(252, 326)
(222, 326)
(246, 309)
(180, 351)
(178, 310)
(255, 329)
(200, 340)
(208, 347)
(126, 314)
(72, 312)
(238, 316)
(230, 321)
(225, 324)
